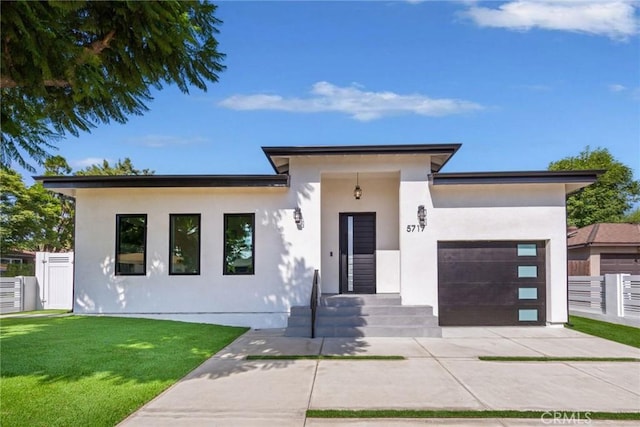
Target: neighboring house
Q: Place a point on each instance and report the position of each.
(607, 248)
(486, 248)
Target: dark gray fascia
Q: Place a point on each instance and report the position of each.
(523, 177)
(324, 150)
(163, 181)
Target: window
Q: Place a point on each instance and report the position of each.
(527, 293)
(528, 315)
(131, 244)
(527, 271)
(527, 249)
(239, 241)
(184, 244)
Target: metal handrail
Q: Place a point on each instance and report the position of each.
(314, 303)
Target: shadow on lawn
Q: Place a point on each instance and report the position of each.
(125, 350)
(113, 349)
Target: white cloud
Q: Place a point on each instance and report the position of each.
(354, 101)
(89, 161)
(626, 91)
(158, 141)
(617, 88)
(615, 19)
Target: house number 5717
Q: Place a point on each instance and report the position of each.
(414, 228)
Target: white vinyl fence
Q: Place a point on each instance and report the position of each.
(54, 272)
(51, 288)
(612, 297)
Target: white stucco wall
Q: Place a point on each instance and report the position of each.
(282, 279)
(286, 255)
(380, 195)
(487, 212)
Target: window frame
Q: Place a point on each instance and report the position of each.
(116, 269)
(253, 244)
(171, 244)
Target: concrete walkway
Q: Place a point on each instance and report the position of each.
(439, 373)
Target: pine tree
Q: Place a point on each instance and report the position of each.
(68, 66)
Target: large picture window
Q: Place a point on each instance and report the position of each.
(131, 244)
(239, 240)
(184, 244)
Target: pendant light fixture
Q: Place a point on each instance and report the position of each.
(357, 192)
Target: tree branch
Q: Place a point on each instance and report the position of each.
(100, 45)
(9, 83)
(95, 48)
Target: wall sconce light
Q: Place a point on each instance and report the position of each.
(422, 216)
(297, 216)
(357, 192)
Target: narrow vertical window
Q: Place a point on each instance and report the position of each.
(131, 244)
(184, 244)
(239, 240)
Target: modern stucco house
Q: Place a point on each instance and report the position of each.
(485, 248)
(605, 248)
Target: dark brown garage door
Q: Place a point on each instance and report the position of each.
(491, 283)
(619, 263)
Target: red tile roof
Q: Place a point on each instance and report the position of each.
(605, 234)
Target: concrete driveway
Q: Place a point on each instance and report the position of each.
(439, 373)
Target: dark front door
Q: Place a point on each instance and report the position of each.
(358, 253)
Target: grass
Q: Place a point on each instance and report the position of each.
(556, 359)
(84, 370)
(321, 357)
(620, 333)
(417, 413)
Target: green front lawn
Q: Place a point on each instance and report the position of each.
(556, 359)
(321, 357)
(620, 333)
(543, 417)
(77, 370)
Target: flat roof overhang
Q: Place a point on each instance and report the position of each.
(440, 153)
(62, 183)
(573, 180)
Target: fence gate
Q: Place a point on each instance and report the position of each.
(54, 272)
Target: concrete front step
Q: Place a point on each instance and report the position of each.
(299, 321)
(300, 311)
(395, 320)
(377, 331)
(379, 315)
(376, 310)
(346, 300)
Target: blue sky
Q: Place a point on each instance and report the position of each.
(518, 83)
